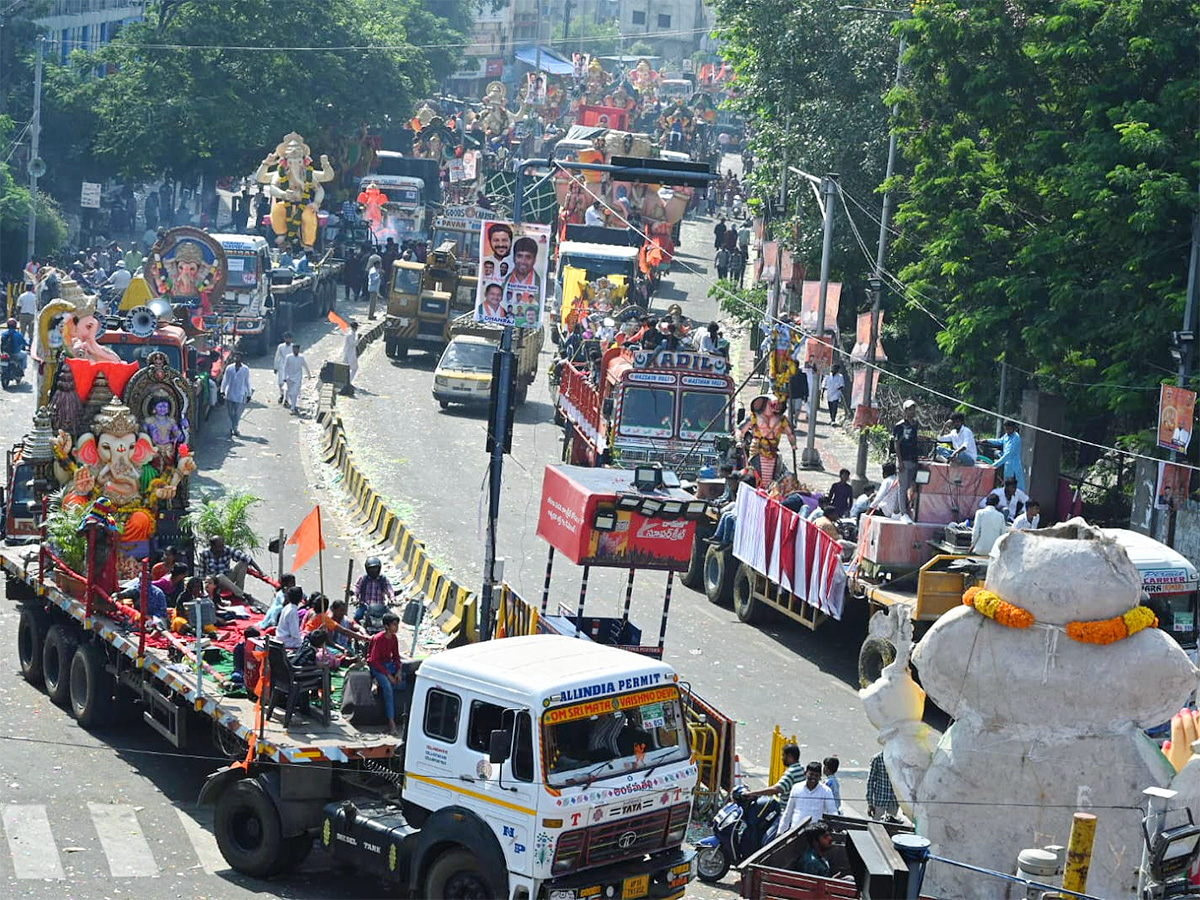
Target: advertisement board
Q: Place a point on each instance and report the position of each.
(512, 273)
(1176, 414)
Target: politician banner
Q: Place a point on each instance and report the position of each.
(1176, 411)
(512, 273)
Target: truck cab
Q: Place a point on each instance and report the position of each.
(423, 300)
(403, 215)
(567, 765)
(598, 260)
(245, 310)
(1171, 582)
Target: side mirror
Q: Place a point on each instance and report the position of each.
(499, 745)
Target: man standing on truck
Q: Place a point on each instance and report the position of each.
(281, 354)
(905, 448)
(235, 385)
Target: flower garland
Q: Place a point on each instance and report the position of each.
(1100, 631)
(990, 605)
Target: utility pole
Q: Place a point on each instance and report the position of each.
(37, 168)
(1184, 342)
(860, 480)
(811, 458)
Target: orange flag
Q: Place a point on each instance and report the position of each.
(339, 321)
(307, 538)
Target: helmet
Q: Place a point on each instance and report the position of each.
(374, 566)
(12, 323)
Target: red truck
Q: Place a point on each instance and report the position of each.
(639, 406)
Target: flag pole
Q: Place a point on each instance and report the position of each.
(320, 551)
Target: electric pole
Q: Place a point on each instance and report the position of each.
(1184, 343)
(37, 168)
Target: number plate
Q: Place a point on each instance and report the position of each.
(402, 322)
(638, 886)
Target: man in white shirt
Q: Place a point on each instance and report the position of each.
(288, 631)
(119, 279)
(27, 313)
(593, 215)
(1030, 519)
(295, 367)
(1010, 498)
(961, 439)
(235, 385)
(282, 352)
(374, 283)
(834, 386)
(350, 356)
(887, 495)
(988, 527)
(808, 800)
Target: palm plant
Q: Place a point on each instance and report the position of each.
(226, 517)
(63, 532)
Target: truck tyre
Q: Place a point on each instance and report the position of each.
(719, 569)
(389, 347)
(91, 687)
(401, 349)
(57, 654)
(745, 606)
(876, 653)
(248, 830)
(694, 576)
(31, 634)
(457, 875)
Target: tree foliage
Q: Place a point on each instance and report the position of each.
(208, 88)
(14, 215)
(1054, 175)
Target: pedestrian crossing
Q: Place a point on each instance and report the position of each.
(104, 840)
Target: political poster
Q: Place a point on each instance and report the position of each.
(513, 263)
(1176, 414)
(862, 339)
(1172, 487)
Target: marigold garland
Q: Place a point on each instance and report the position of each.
(990, 605)
(1101, 631)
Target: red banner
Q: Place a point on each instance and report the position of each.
(811, 300)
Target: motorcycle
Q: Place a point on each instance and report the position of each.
(11, 372)
(740, 829)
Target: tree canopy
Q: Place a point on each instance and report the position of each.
(1054, 175)
(200, 87)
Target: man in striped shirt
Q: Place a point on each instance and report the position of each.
(793, 773)
(228, 566)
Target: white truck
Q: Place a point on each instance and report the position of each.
(246, 308)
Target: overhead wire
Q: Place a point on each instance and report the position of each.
(957, 401)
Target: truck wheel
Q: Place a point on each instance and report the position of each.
(457, 875)
(91, 688)
(876, 654)
(694, 576)
(401, 349)
(31, 632)
(744, 604)
(57, 653)
(711, 864)
(444, 404)
(719, 568)
(248, 830)
(389, 347)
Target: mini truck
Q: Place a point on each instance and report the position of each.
(464, 373)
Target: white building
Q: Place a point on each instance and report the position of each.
(88, 24)
(674, 28)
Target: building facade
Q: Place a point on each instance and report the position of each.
(88, 24)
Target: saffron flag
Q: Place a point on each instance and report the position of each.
(339, 322)
(307, 538)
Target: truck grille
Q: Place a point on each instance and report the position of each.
(433, 330)
(433, 307)
(620, 839)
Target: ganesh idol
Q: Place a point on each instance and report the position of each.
(295, 187)
(767, 426)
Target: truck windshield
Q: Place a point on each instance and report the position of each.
(243, 271)
(407, 196)
(471, 357)
(466, 242)
(615, 735)
(1177, 616)
(648, 412)
(407, 281)
(596, 267)
(698, 411)
(139, 353)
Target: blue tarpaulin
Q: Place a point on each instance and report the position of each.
(552, 63)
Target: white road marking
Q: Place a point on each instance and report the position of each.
(31, 843)
(123, 841)
(204, 843)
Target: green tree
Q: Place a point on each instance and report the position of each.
(14, 215)
(596, 38)
(1054, 176)
(208, 88)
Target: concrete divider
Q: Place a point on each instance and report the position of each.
(452, 605)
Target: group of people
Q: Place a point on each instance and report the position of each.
(732, 245)
(726, 190)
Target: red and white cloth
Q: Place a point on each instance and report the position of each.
(790, 551)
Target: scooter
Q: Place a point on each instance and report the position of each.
(10, 371)
(740, 829)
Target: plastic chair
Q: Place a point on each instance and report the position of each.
(294, 684)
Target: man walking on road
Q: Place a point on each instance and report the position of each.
(27, 312)
(281, 354)
(295, 367)
(350, 356)
(719, 233)
(374, 280)
(235, 385)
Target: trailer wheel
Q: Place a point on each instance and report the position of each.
(694, 576)
(457, 875)
(57, 653)
(718, 576)
(248, 830)
(31, 633)
(876, 654)
(747, 608)
(91, 687)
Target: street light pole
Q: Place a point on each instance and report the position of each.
(860, 481)
(811, 458)
(35, 133)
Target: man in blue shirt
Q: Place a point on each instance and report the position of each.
(13, 343)
(156, 600)
(1009, 461)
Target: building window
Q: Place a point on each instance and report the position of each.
(664, 20)
(639, 17)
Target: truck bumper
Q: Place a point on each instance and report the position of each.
(401, 328)
(466, 398)
(661, 877)
(243, 325)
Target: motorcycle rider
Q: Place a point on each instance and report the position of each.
(372, 588)
(13, 343)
